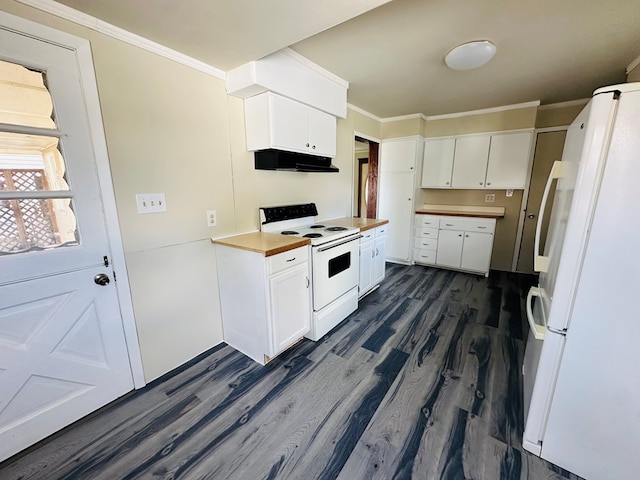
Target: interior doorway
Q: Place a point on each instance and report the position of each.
(365, 186)
(549, 147)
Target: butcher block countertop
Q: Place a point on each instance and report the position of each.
(361, 223)
(462, 211)
(267, 244)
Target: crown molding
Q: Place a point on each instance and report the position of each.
(504, 108)
(635, 62)
(362, 111)
(570, 103)
(95, 24)
(412, 116)
(314, 66)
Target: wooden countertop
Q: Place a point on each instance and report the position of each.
(462, 211)
(267, 244)
(361, 223)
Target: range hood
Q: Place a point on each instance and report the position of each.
(272, 159)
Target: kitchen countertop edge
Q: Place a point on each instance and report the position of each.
(267, 244)
(355, 222)
(461, 211)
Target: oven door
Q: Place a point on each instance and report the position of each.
(336, 268)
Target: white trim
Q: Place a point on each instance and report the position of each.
(400, 139)
(634, 63)
(399, 118)
(503, 108)
(364, 112)
(315, 67)
(366, 137)
(570, 103)
(552, 129)
(90, 90)
(93, 23)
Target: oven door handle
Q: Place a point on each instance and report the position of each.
(350, 239)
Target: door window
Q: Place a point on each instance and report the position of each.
(36, 202)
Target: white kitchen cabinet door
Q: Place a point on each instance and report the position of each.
(437, 163)
(508, 160)
(449, 251)
(290, 306)
(322, 133)
(398, 156)
(289, 124)
(379, 262)
(395, 203)
(367, 254)
(470, 161)
(476, 251)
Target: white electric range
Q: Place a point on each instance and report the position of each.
(335, 261)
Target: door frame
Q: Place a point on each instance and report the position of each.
(82, 49)
(356, 167)
(525, 194)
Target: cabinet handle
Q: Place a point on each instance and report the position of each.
(488, 183)
(377, 252)
(480, 183)
(448, 224)
(410, 168)
(483, 228)
(314, 147)
(291, 259)
(373, 254)
(308, 282)
(409, 199)
(307, 145)
(466, 236)
(446, 183)
(460, 235)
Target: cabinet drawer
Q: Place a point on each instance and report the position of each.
(426, 232)
(429, 221)
(367, 235)
(282, 261)
(468, 224)
(380, 231)
(425, 243)
(424, 256)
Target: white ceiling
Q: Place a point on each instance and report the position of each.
(392, 55)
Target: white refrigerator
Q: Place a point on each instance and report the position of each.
(582, 360)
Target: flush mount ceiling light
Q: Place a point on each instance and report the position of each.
(470, 55)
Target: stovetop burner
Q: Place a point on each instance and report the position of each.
(312, 235)
(336, 229)
(317, 226)
(289, 232)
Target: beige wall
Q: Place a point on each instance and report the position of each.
(558, 115)
(402, 128)
(486, 122)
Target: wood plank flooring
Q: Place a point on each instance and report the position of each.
(422, 382)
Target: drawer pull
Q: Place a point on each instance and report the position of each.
(448, 224)
(291, 259)
(482, 227)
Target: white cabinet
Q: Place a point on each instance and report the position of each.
(508, 160)
(425, 239)
(265, 301)
(379, 263)
(273, 121)
(470, 161)
(372, 258)
(450, 248)
(497, 161)
(397, 187)
(367, 254)
(476, 251)
(437, 162)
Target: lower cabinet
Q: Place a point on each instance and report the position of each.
(265, 301)
(464, 243)
(372, 259)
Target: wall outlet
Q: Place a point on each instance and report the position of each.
(490, 197)
(151, 203)
(509, 192)
(212, 218)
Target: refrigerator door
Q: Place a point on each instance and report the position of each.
(586, 145)
(594, 421)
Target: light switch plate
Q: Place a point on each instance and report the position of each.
(151, 203)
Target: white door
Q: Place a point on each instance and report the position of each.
(62, 346)
(508, 160)
(395, 203)
(470, 162)
(476, 251)
(367, 254)
(322, 133)
(398, 155)
(437, 163)
(289, 124)
(449, 251)
(379, 264)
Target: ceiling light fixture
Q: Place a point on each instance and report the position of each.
(470, 55)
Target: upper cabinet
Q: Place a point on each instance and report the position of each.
(273, 121)
(497, 161)
(398, 155)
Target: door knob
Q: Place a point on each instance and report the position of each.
(531, 215)
(101, 279)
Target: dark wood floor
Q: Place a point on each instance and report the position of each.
(422, 382)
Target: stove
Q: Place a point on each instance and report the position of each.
(335, 261)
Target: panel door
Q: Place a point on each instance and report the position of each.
(449, 253)
(398, 156)
(470, 161)
(290, 306)
(62, 346)
(437, 163)
(367, 254)
(395, 203)
(322, 133)
(379, 264)
(289, 124)
(476, 251)
(508, 160)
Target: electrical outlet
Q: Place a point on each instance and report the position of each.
(151, 203)
(212, 218)
(509, 192)
(490, 197)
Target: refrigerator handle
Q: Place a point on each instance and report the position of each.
(540, 262)
(537, 330)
